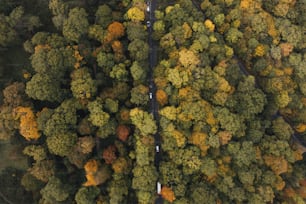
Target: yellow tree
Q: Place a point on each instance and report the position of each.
(199, 140)
(179, 137)
(135, 14)
(95, 173)
(178, 76)
(28, 124)
(188, 58)
(278, 164)
(169, 112)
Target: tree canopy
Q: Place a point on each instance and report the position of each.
(106, 101)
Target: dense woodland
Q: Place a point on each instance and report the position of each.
(231, 93)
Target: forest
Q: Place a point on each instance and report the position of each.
(101, 100)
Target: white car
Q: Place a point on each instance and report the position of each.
(158, 186)
(148, 6)
(148, 24)
(157, 148)
(150, 95)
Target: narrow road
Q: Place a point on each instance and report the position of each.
(153, 45)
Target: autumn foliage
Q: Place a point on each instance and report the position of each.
(135, 14)
(91, 167)
(118, 50)
(78, 57)
(109, 154)
(161, 97)
(209, 99)
(115, 31)
(301, 127)
(95, 173)
(123, 132)
(120, 165)
(167, 194)
(125, 115)
(28, 124)
(199, 139)
(224, 137)
(278, 164)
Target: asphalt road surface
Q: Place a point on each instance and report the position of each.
(151, 6)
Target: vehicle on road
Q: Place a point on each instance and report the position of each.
(158, 186)
(148, 6)
(148, 24)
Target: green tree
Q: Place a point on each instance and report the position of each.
(289, 32)
(171, 174)
(36, 151)
(118, 189)
(178, 76)
(76, 25)
(282, 129)
(82, 84)
(59, 10)
(135, 31)
(63, 119)
(103, 16)
(107, 129)
(143, 121)
(55, 191)
(97, 116)
(111, 105)
(233, 35)
(7, 32)
(209, 167)
(144, 176)
(159, 29)
(96, 32)
(167, 42)
(119, 72)
(140, 95)
(106, 61)
(250, 100)
(176, 15)
(277, 148)
(244, 154)
(230, 121)
(54, 62)
(61, 144)
(138, 71)
(45, 88)
(139, 50)
(87, 195)
(31, 183)
(43, 170)
(199, 191)
(16, 25)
